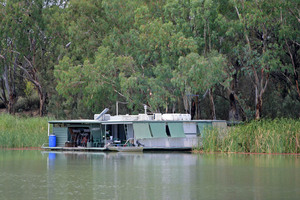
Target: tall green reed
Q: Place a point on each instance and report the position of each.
(19, 132)
(264, 136)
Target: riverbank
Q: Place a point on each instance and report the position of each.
(264, 136)
(22, 132)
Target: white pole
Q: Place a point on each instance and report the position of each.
(117, 108)
(105, 142)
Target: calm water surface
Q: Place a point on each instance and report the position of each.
(66, 175)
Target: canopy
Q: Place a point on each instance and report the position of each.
(141, 130)
(176, 129)
(158, 130)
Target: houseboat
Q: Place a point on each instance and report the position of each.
(129, 132)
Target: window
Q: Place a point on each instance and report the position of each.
(168, 131)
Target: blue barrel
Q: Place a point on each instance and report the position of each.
(52, 141)
(51, 156)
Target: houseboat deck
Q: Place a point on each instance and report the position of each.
(75, 148)
(143, 132)
(118, 149)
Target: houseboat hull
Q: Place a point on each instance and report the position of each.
(125, 149)
(125, 133)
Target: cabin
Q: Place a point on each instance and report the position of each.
(151, 132)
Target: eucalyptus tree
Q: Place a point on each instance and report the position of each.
(160, 47)
(11, 19)
(201, 21)
(258, 52)
(288, 14)
(201, 73)
(95, 29)
(25, 44)
(154, 53)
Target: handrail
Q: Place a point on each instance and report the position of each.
(129, 140)
(121, 145)
(44, 145)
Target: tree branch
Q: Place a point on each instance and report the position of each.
(30, 77)
(294, 66)
(242, 20)
(294, 15)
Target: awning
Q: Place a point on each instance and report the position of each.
(158, 130)
(141, 130)
(202, 126)
(176, 129)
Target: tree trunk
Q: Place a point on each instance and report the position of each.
(292, 57)
(185, 103)
(10, 88)
(193, 109)
(236, 111)
(258, 104)
(212, 105)
(234, 114)
(43, 97)
(3, 94)
(11, 103)
(198, 111)
(258, 108)
(31, 75)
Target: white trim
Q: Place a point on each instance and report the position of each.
(48, 129)
(116, 122)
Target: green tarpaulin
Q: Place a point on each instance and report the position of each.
(141, 130)
(158, 130)
(176, 129)
(202, 126)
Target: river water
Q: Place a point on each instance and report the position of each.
(34, 174)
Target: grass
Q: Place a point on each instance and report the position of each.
(264, 136)
(20, 132)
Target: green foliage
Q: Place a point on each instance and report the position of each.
(18, 132)
(89, 54)
(202, 73)
(29, 88)
(86, 26)
(29, 103)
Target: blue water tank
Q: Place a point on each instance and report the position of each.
(52, 141)
(51, 156)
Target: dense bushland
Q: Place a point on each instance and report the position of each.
(221, 59)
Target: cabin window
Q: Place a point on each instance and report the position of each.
(168, 131)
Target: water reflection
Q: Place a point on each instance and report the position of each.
(81, 175)
(120, 175)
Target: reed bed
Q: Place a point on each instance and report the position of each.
(20, 132)
(264, 136)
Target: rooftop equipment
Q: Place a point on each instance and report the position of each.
(102, 113)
